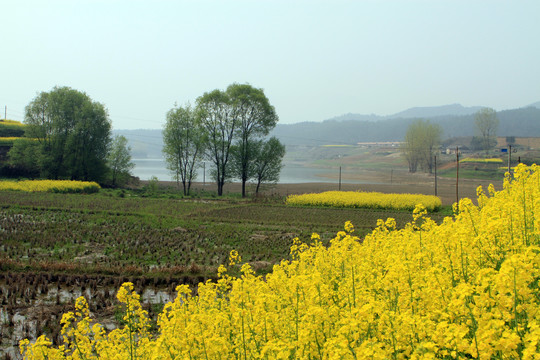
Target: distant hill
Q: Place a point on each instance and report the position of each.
(455, 120)
(415, 112)
(536, 105)
(435, 111)
(517, 122)
(356, 117)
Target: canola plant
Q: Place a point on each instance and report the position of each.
(57, 186)
(465, 289)
(362, 199)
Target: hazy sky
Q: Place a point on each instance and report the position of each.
(314, 59)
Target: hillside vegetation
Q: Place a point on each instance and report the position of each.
(11, 129)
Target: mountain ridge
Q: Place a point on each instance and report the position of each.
(536, 105)
(354, 128)
(417, 112)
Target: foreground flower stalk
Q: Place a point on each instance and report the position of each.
(467, 288)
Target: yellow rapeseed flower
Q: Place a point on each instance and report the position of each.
(358, 199)
(57, 186)
(465, 289)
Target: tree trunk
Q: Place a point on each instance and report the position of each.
(220, 188)
(257, 188)
(220, 182)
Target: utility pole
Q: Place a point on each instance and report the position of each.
(5, 113)
(435, 164)
(457, 175)
(340, 178)
(509, 157)
(204, 174)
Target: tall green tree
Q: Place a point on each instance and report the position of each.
(255, 117)
(267, 161)
(119, 161)
(184, 140)
(74, 134)
(24, 157)
(217, 119)
(487, 122)
(421, 142)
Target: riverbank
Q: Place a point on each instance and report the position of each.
(399, 182)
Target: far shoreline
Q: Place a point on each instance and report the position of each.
(423, 184)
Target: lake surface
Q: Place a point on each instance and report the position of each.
(290, 174)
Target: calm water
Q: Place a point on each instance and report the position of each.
(290, 174)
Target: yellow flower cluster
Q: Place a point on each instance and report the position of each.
(465, 289)
(9, 140)
(82, 340)
(57, 186)
(479, 160)
(11, 122)
(358, 199)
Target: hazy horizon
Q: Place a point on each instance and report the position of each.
(315, 59)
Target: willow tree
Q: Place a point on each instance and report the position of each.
(119, 161)
(184, 140)
(486, 122)
(255, 118)
(215, 111)
(234, 121)
(421, 142)
(267, 163)
(73, 133)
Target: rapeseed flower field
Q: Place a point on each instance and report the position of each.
(480, 160)
(12, 122)
(9, 140)
(359, 199)
(57, 186)
(465, 289)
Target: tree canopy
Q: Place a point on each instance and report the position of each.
(119, 161)
(267, 163)
(255, 118)
(184, 140)
(73, 133)
(234, 120)
(422, 139)
(219, 123)
(487, 122)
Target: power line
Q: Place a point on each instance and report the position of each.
(137, 135)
